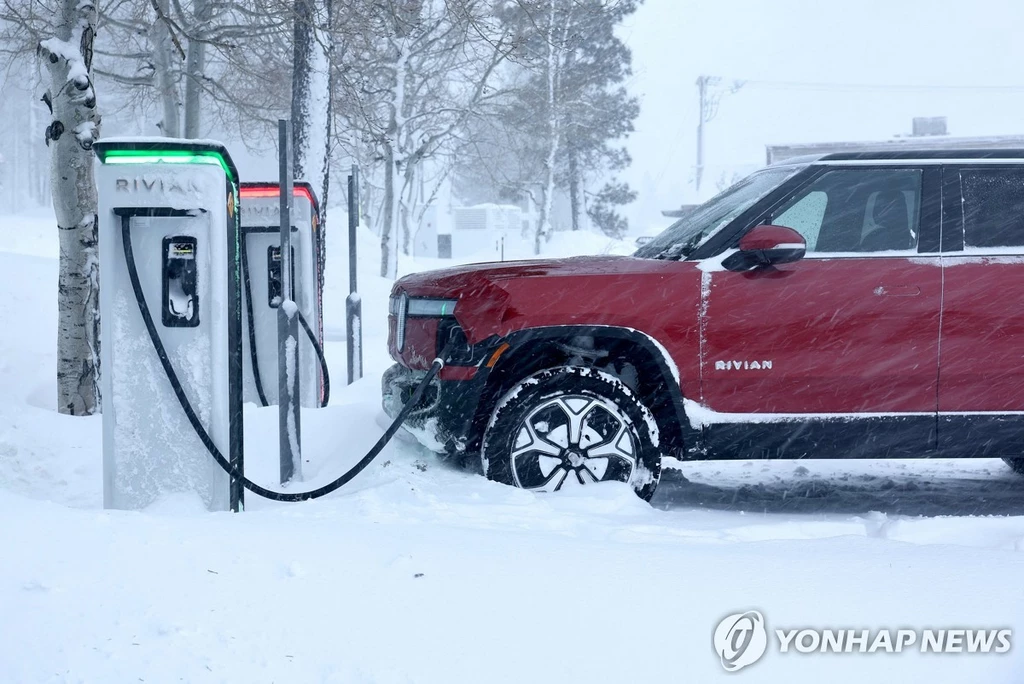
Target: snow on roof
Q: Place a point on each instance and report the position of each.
(160, 140)
(777, 153)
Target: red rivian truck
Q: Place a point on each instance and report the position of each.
(861, 305)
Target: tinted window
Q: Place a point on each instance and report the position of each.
(993, 207)
(857, 210)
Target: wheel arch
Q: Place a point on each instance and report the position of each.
(632, 356)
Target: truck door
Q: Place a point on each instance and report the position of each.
(981, 368)
(847, 336)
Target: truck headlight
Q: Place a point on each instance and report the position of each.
(436, 308)
(402, 306)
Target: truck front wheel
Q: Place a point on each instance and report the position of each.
(568, 427)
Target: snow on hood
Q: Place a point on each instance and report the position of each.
(457, 277)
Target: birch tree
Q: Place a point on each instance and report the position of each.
(165, 74)
(599, 113)
(311, 101)
(138, 60)
(413, 78)
(67, 56)
(556, 33)
(565, 113)
(201, 61)
(63, 36)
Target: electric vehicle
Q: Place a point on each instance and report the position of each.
(852, 305)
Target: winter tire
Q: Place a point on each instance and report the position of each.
(572, 426)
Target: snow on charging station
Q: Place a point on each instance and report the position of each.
(260, 211)
(171, 312)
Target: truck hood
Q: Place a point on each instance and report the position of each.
(455, 280)
(482, 290)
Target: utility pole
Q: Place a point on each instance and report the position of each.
(702, 90)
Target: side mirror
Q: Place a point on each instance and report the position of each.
(767, 246)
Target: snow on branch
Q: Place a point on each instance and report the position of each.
(74, 55)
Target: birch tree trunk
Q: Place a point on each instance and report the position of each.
(572, 153)
(408, 201)
(16, 174)
(311, 103)
(70, 135)
(547, 191)
(195, 68)
(35, 187)
(388, 245)
(575, 184)
(167, 88)
(392, 163)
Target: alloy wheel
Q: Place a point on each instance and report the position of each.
(572, 440)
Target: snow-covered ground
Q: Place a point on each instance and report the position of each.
(416, 572)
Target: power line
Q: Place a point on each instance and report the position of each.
(878, 87)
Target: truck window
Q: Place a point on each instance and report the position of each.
(993, 207)
(857, 210)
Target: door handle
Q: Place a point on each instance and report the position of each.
(897, 290)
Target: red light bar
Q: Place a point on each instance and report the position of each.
(266, 191)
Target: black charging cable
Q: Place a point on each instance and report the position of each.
(204, 436)
(317, 348)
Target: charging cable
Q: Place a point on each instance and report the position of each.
(204, 436)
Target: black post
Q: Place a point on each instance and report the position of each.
(353, 223)
(236, 431)
(353, 303)
(287, 325)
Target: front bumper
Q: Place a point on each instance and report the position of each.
(443, 421)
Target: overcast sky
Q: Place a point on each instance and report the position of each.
(938, 45)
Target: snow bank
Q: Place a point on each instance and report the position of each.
(416, 572)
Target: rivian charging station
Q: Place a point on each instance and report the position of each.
(262, 290)
(170, 305)
(177, 270)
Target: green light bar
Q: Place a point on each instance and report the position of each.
(167, 157)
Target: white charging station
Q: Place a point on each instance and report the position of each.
(171, 320)
(260, 209)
